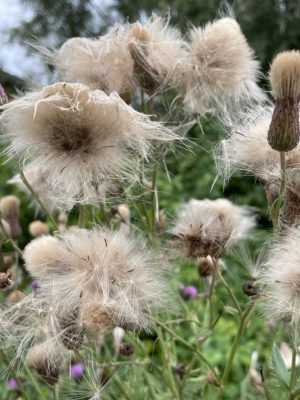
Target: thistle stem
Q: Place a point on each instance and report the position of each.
(36, 196)
(293, 372)
(227, 287)
(241, 327)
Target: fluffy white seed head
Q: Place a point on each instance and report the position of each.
(104, 63)
(9, 206)
(38, 228)
(87, 139)
(247, 148)
(83, 270)
(208, 227)
(220, 68)
(280, 278)
(157, 50)
(285, 75)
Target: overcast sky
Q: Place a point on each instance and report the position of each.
(13, 56)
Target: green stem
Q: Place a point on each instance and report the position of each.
(186, 344)
(227, 287)
(10, 240)
(81, 216)
(280, 200)
(155, 206)
(37, 197)
(293, 371)
(243, 321)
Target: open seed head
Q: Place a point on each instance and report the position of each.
(87, 139)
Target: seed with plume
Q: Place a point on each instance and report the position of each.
(157, 50)
(87, 139)
(285, 83)
(104, 63)
(108, 278)
(219, 68)
(38, 228)
(46, 360)
(279, 279)
(247, 148)
(9, 208)
(207, 227)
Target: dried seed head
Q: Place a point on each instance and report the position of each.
(285, 75)
(15, 296)
(205, 266)
(8, 261)
(123, 211)
(9, 206)
(46, 360)
(207, 227)
(38, 228)
(126, 349)
(96, 317)
(139, 33)
(5, 279)
(285, 82)
(71, 330)
(4, 230)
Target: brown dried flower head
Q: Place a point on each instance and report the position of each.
(285, 82)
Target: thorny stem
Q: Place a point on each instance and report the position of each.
(10, 240)
(243, 321)
(36, 196)
(227, 287)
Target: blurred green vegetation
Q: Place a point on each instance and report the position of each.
(270, 26)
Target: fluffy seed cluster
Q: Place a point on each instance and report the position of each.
(86, 138)
(105, 278)
(285, 75)
(220, 67)
(247, 148)
(157, 50)
(104, 63)
(207, 227)
(280, 278)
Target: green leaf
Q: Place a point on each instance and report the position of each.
(280, 368)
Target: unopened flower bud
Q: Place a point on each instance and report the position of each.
(15, 296)
(123, 211)
(3, 97)
(250, 288)
(126, 349)
(38, 228)
(284, 130)
(205, 266)
(5, 279)
(9, 208)
(188, 292)
(180, 370)
(211, 378)
(76, 371)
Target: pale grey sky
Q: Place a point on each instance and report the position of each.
(13, 56)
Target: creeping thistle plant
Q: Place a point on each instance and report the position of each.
(92, 307)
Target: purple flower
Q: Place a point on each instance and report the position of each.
(76, 371)
(13, 384)
(34, 286)
(188, 292)
(3, 97)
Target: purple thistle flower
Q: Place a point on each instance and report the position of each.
(76, 371)
(13, 384)
(188, 292)
(34, 286)
(3, 97)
